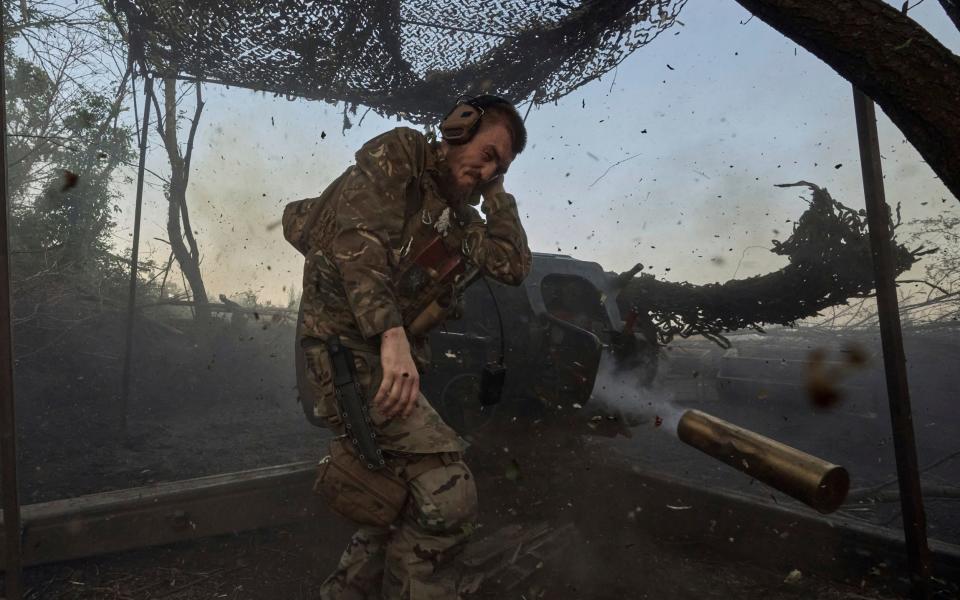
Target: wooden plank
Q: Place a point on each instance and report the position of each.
(227, 308)
(167, 512)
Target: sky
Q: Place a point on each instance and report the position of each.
(670, 160)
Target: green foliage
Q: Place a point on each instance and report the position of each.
(61, 186)
(66, 144)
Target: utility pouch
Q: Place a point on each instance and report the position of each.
(356, 492)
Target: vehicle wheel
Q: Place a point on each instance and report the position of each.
(459, 404)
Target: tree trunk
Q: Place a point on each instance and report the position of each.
(952, 8)
(912, 76)
(177, 216)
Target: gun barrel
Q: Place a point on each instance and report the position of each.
(813, 481)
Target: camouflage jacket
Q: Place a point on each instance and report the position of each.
(356, 235)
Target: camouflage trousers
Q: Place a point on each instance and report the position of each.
(422, 432)
(411, 559)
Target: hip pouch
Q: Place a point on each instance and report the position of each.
(360, 494)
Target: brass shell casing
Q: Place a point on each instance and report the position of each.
(815, 482)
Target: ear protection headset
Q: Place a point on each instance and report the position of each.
(459, 125)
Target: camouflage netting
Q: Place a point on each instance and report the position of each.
(830, 262)
(406, 57)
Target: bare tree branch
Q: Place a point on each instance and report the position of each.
(925, 282)
(187, 258)
(188, 156)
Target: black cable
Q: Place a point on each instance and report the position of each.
(496, 306)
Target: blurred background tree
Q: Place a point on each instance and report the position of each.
(67, 80)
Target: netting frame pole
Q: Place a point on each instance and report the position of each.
(135, 253)
(13, 551)
(894, 358)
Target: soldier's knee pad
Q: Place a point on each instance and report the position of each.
(443, 500)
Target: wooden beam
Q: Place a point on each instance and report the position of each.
(166, 512)
(12, 585)
(220, 307)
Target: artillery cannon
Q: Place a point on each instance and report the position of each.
(552, 331)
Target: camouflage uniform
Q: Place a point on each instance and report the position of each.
(355, 236)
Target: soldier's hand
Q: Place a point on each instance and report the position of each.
(400, 387)
(492, 188)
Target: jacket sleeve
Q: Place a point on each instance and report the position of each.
(499, 246)
(369, 224)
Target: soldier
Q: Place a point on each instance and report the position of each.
(416, 512)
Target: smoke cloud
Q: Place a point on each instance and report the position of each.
(621, 391)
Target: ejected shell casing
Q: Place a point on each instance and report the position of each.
(815, 482)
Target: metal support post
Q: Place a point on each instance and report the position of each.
(894, 360)
(8, 423)
(135, 254)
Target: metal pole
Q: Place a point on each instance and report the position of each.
(135, 254)
(13, 579)
(894, 360)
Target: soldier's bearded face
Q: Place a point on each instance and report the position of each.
(486, 156)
